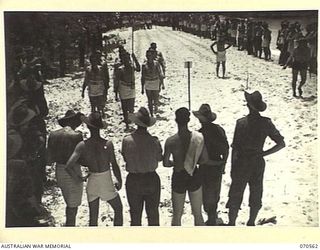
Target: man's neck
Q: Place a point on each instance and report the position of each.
(183, 129)
(95, 134)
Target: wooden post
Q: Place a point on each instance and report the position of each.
(132, 38)
(188, 65)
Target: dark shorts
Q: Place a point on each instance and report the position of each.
(97, 101)
(182, 181)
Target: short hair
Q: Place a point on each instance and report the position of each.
(182, 115)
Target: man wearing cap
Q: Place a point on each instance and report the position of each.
(218, 150)
(124, 84)
(300, 61)
(187, 149)
(61, 144)
(247, 163)
(151, 80)
(142, 152)
(97, 80)
(98, 155)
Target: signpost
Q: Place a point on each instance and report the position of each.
(188, 65)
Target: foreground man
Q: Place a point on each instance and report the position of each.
(97, 154)
(186, 147)
(61, 144)
(142, 152)
(247, 163)
(218, 150)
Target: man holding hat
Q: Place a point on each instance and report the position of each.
(247, 163)
(98, 155)
(218, 150)
(61, 144)
(142, 152)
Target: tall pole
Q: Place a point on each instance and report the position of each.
(132, 38)
(189, 94)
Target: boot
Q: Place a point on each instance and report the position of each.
(233, 214)
(300, 91)
(253, 215)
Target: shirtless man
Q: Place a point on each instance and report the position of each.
(97, 154)
(151, 78)
(221, 54)
(124, 84)
(61, 144)
(159, 58)
(186, 177)
(97, 80)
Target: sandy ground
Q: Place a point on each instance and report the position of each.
(291, 175)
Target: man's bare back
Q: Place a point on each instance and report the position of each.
(96, 154)
(177, 145)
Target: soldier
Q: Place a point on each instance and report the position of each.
(151, 80)
(124, 84)
(218, 150)
(247, 163)
(97, 81)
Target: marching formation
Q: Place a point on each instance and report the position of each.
(198, 158)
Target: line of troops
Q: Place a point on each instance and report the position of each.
(198, 160)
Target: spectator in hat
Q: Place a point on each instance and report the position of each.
(142, 152)
(218, 150)
(24, 120)
(97, 80)
(247, 162)
(61, 144)
(187, 149)
(300, 61)
(97, 154)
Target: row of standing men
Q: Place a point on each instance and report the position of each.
(198, 160)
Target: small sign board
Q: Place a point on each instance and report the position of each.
(188, 64)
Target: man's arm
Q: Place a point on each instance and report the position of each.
(142, 79)
(166, 157)
(136, 64)
(85, 84)
(280, 145)
(115, 168)
(73, 160)
(116, 83)
(159, 150)
(212, 45)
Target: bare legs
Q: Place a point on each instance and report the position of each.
(116, 205)
(178, 201)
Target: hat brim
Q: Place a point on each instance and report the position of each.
(203, 118)
(64, 121)
(133, 117)
(31, 114)
(86, 121)
(261, 107)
